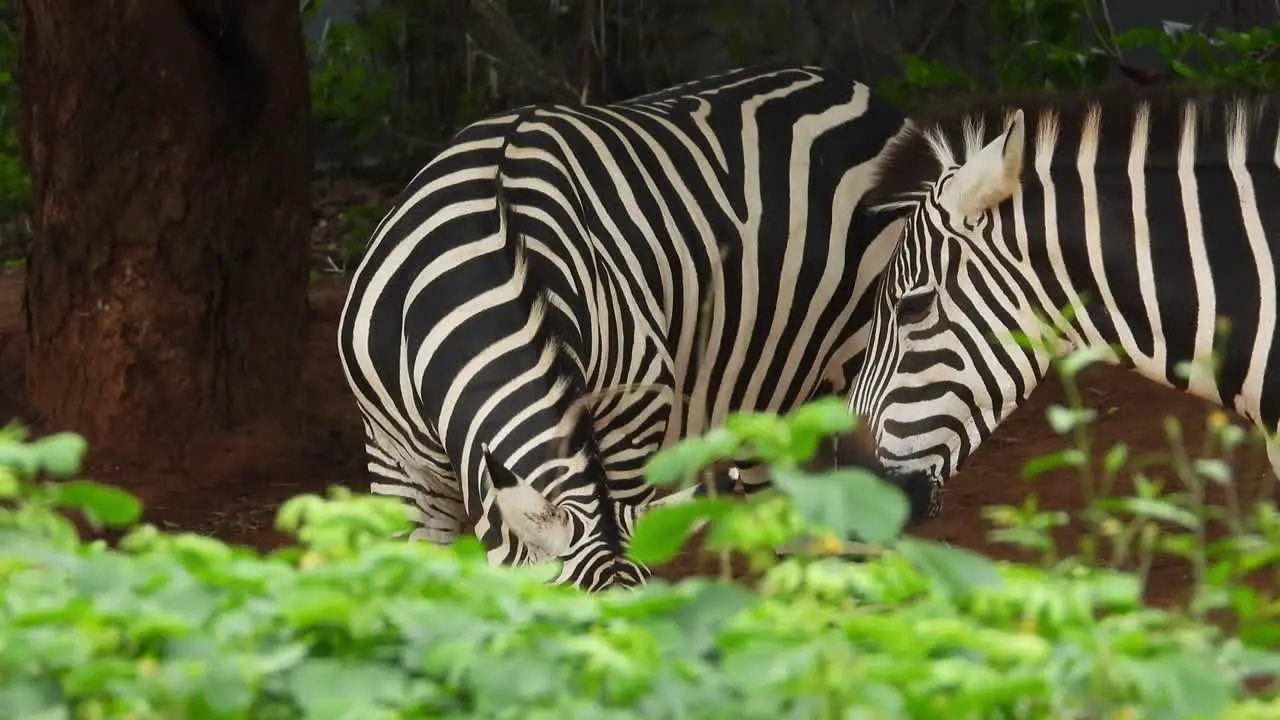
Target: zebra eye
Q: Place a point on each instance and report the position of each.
(914, 307)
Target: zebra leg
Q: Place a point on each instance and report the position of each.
(433, 498)
(440, 511)
(1273, 455)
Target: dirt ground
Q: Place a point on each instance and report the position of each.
(231, 485)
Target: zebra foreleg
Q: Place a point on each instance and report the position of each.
(434, 500)
(436, 515)
(438, 512)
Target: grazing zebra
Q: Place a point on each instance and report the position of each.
(707, 239)
(1152, 214)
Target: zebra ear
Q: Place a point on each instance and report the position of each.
(992, 175)
(534, 519)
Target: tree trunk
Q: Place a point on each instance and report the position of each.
(169, 146)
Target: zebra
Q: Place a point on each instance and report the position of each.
(1133, 220)
(707, 239)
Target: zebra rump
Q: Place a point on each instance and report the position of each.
(565, 290)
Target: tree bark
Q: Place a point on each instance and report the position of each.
(169, 146)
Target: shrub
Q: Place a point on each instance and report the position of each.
(15, 182)
(346, 624)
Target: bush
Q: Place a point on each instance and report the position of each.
(346, 624)
(1068, 45)
(15, 182)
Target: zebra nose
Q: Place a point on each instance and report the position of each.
(854, 449)
(857, 449)
(923, 490)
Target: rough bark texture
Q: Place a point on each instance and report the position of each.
(168, 140)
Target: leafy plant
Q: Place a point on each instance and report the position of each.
(1248, 58)
(15, 181)
(350, 90)
(347, 623)
(1064, 45)
(829, 506)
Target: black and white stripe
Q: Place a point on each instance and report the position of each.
(1153, 215)
(705, 239)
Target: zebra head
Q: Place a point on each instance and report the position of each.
(578, 523)
(931, 389)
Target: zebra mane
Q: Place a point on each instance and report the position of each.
(948, 133)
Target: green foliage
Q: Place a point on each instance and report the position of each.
(751, 37)
(393, 82)
(1249, 58)
(1168, 513)
(349, 93)
(1063, 45)
(347, 623)
(848, 503)
(15, 183)
(1037, 45)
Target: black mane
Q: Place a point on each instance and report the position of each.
(909, 161)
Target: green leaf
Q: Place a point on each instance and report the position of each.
(23, 459)
(1042, 464)
(1115, 459)
(1064, 419)
(670, 464)
(1231, 436)
(768, 435)
(690, 455)
(826, 415)
(1153, 509)
(1261, 635)
(1138, 36)
(850, 503)
(1258, 663)
(9, 484)
(325, 687)
(1214, 469)
(959, 571)
(1028, 538)
(707, 613)
(13, 432)
(1077, 360)
(295, 512)
(99, 503)
(468, 548)
(661, 531)
(1196, 693)
(1184, 369)
(812, 422)
(61, 453)
(32, 697)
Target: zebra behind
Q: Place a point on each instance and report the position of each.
(1153, 215)
(707, 239)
